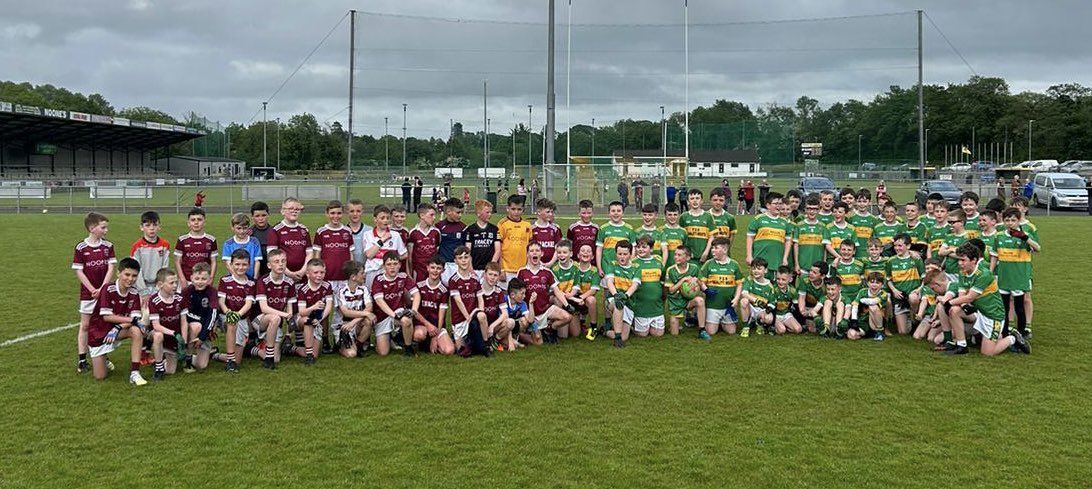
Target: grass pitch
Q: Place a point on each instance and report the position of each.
(671, 412)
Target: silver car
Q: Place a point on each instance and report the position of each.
(1059, 190)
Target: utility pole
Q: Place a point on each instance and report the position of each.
(550, 129)
(278, 144)
(921, 104)
(485, 120)
(265, 160)
(403, 140)
(386, 147)
(352, 70)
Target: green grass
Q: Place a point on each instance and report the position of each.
(673, 412)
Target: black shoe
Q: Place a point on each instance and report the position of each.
(361, 350)
(957, 350)
(1027, 333)
(158, 375)
(409, 351)
(1021, 343)
(268, 363)
(326, 347)
(618, 343)
(309, 360)
(465, 352)
(232, 367)
(488, 353)
(82, 367)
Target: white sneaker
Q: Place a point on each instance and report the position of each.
(136, 379)
(109, 366)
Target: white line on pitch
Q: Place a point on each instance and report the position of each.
(37, 334)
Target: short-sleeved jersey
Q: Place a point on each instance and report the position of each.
(452, 235)
(546, 236)
(392, 244)
(516, 310)
(358, 241)
(769, 235)
(403, 234)
(426, 243)
(783, 299)
(905, 273)
(482, 242)
(234, 293)
(1013, 269)
(308, 295)
(492, 298)
(839, 234)
(971, 226)
(623, 277)
(724, 224)
(724, 277)
(951, 262)
(811, 240)
(989, 301)
(353, 299)
(878, 266)
(566, 277)
(929, 221)
(152, 256)
(862, 225)
(825, 219)
(262, 235)
(112, 302)
(790, 231)
(277, 294)
(434, 299)
(886, 232)
(583, 234)
(192, 250)
(649, 298)
(919, 232)
(698, 230)
(293, 239)
(851, 274)
(540, 281)
(864, 293)
(676, 302)
(514, 236)
(674, 237)
(990, 240)
(167, 311)
(253, 249)
(200, 303)
(392, 291)
(812, 294)
(94, 261)
(334, 246)
(467, 289)
(586, 280)
(656, 235)
(761, 292)
(610, 235)
(937, 235)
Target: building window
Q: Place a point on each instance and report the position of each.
(735, 165)
(720, 168)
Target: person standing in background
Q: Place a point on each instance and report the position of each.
(418, 187)
(749, 195)
(763, 191)
(406, 187)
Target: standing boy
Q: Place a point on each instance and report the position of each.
(194, 247)
(545, 232)
(259, 215)
(1012, 250)
(698, 225)
(584, 231)
(483, 238)
(648, 228)
(810, 238)
(423, 242)
(152, 252)
(291, 237)
(515, 233)
(648, 300)
(863, 221)
(452, 235)
(358, 228)
(379, 243)
(243, 239)
(334, 245)
(672, 235)
(610, 234)
(93, 261)
(768, 235)
(724, 224)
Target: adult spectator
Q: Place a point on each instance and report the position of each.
(749, 195)
(638, 193)
(741, 201)
(406, 187)
(727, 187)
(656, 191)
(623, 193)
(418, 187)
(763, 191)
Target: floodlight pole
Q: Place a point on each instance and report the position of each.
(550, 123)
(485, 120)
(859, 136)
(921, 104)
(278, 144)
(352, 70)
(529, 108)
(265, 160)
(686, 83)
(663, 129)
(386, 147)
(403, 140)
(1029, 138)
(593, 139)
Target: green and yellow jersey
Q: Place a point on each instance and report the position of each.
(769, 235)
(1013, 263)
(839, 234)
(886, 232)
(862, 224)
(783, 299)
(879, 266)
(851, 274)
(905, 272)
(724, 277)
(988, 301)
(675, 237)
(649, 298)
(811, 240)
(761, 292)
(610, 235)
(919, 233)
(699, 228)
(676, 304)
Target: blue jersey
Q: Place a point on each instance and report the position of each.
(517, 310)
(252, 246)
(452, 235)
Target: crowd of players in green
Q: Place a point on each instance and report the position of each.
(823, 265)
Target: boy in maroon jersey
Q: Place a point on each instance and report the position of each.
(353, 318)
(422, 243)
(397, 300)
(117, 317)
(166, 314)
(292, 237)
(429, 332)
(275, 296)
(93, 261)
(545, 232)
(541, 286)
(584, 231)
(314, 303)
(491, 304)
(464, 286)
(398, 225)
(334, 245)
(236, 293)
(194, 247)
(201, 303)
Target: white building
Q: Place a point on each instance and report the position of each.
(709, 164)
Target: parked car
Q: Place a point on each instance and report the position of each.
(868, 166)
(1082, 168)
(1040, 165)
(1059, 190)
(1074, 166)
(960, 167)
(982, 166)
(945, 188)
(814, 185)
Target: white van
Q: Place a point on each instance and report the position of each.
(1040, 165)
(1059, 190)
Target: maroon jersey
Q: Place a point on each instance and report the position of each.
(308, 295)
(547, 237)
(234, 293)
(278, 294)
(467, 288)
(167, 311)
(392, 291)
(294, 240)
(94, 261)
(492, 302)
(433, 300)
(425, 245)
(335, 247)
(192, 250)
(583, 234)
(542, 282)
(112, 303)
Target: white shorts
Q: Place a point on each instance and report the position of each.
(627, 313)
(103, 349)
(88, 306)
(756, 312)
(1014, 293)
(261, 332)
(385, 326)
(783, 317)
(543, 320)
(990, 329)
(459, 331)
(449, 269)
(642, 325)
(720, 316)
(242, 330)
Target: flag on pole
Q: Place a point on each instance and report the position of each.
(966, 151)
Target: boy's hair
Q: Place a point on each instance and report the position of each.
(534, 243)
(516, 285)
(933, 261)
(934, 276)
(1011, 212)
(914, 203)
(957, 215)
(772, 196)
(904, 237)
(718, 192)
(833, 280)
(693, 191)
(936, 197)
(969, 195)
(353, 202)
(978, 243)
(439, 260)
(351, 267)
(240, 254)
(874, 242)
(827, 192)
(671, 207)
(720, 241)
(201, 267)
(560, 244)
(334, 204)
(240, 219)
(684, 249)
(990, 213)
(968, 250)
(890, 205)
(196, 211)
(622, 244)
(381, 209)
(824, 267)
(316, 262)
(163, 274)
(794, 193)
(585, 204)
(848, 242)
(93, 219)
(128, 263)
(545, 203)
(995, 204)
(759, 263)
(840, 205)
(493, 267)
(875, 277)
(424, 207)
(390, 257)
(847, 191)
(288, 200)
(149, 217)
(864, 194)
(1020, 200)
(269, 255)
(259, 206)
(482, 204)
(784, 270)
(646, 240)
(398, 208)
(461, 250)
(650, 208)
(615, 203)
(812, 200)
(515, 200)
(453, 203)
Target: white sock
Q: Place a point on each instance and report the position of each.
(1012, 340)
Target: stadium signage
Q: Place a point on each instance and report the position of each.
(102, 119)
(154, 125)
(138, 124)
(79, 116)
(5, 106)
(60, 114)
(27, 109)
(121, 121)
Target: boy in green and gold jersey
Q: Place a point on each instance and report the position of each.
(721, 278)
(698, 225)
(610, 234)
(917, 229)
(622, 282)
(1012, 249)
(724, 224)
(810, 293)
(680, 272)
(872, 300)
(755, 302)
(904, 273)
(672, 234)
(783, 298)
(810, 237)
(839, 232)
(849, 270)
(863, 221)
(886, 230)
(648, 301)
(648, 228)
(768, 235)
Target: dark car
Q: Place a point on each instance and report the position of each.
(945, 188)
(814, 185)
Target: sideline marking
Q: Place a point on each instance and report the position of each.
(37, 334)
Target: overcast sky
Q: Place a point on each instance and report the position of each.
(222, 59)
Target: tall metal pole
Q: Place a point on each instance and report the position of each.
(921, 103)
(352, 72)
(663, 135)
(593, 138)
(529, 107)
(278, 144)
(859, 136)
(686, 80)
(1029, 138)
(485, 121)
(568, 102)
(265, 160)
(386, 147)
(550, 122)
(403, 140)
(926, 143)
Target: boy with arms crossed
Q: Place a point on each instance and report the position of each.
(380, 242)
(93, 261)
(904, 273)
(334, 245)
(810, 237)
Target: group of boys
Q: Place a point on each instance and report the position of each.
(351, 288)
